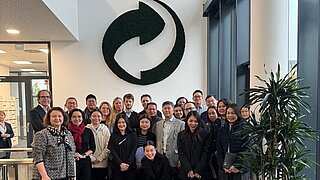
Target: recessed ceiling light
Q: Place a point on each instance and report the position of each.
(28, 70)
(22, 62)
(44, 50)
(36, 72)
(2, 52)
(13, 31)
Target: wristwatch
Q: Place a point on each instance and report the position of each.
(84, 155)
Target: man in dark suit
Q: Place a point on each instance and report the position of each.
(37, 114)
(132, 116)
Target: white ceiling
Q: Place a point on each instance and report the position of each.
(36, 23)
(24, 52)
(33, 19)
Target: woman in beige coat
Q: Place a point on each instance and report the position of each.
(99, 158)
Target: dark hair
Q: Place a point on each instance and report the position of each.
(46, 119)
(235, 108)
(211, 107)
(74, 110)
(43, 90)
(151, 103)
(146, 95)
(179, 98)
(149, 143)
(225, 101)
(116, 128)
(144, 116)
(197, 91)
(89, 96)
(186, 133)
(167, 103)
(128, 96)
(182, 108)
(96, 109)
(209, 96)
(196, 115)
(245, 106)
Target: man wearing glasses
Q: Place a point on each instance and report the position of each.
(37, 113)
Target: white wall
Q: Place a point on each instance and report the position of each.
(66, 12)
(78, 68)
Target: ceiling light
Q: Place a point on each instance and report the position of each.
(28, 70)
(13, 31)
(44, 50)
(2, 52)
(36, 72)
(22, 62)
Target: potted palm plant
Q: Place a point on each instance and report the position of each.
(277, 137)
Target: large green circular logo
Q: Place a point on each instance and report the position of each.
(146, 24)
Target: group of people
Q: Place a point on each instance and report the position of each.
(187, 140)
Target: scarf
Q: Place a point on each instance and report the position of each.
(61, 136)
(77, 132)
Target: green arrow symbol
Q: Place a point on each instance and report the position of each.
(146, 24)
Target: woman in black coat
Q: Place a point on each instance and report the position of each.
(230, 140)
(85, 145)
(155, 165)
(6, 133)
(194, 149)
(123, 145)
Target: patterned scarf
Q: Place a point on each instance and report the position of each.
(61, 136)
(77, 132)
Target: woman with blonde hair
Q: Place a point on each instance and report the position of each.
(108, 117)
(117, 105)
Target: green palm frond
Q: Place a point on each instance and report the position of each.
(281, 102)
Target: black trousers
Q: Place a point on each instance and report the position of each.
(129, 174)
(99, 173)
(83, 169)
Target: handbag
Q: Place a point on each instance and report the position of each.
(229, 159)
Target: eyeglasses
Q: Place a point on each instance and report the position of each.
(190, 108)
(197, 96)
(43, 97)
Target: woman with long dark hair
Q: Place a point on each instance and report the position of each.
(230, 143)
(194, 149)
(123, 145)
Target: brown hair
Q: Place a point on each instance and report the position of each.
(46, 119)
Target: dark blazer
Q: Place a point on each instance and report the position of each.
(123, 149)
(194, 152)
(6, 142)
(158, 169)
(133, 119)
(36, 119)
